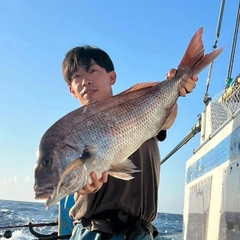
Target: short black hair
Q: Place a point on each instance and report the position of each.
(83, 55)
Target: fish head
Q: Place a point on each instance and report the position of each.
(53, 157)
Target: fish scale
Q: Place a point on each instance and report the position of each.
(101, 136)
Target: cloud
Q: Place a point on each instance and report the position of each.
(7, 181)
(17, 188)
(15, 179)
(27, 179)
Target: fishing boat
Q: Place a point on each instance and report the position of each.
(212, 184)
(211, 202)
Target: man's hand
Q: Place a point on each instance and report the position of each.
(95, 185)
(186, 85)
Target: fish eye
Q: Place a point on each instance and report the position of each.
(47, 162)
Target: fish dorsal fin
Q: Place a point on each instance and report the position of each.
(140, 86)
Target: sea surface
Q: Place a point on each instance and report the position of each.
(15, 213)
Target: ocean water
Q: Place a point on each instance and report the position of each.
(14, 213)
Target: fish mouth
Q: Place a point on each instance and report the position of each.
(48, 194)
(43, 193)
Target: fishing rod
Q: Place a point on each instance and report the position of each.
(53, 236)
(6, 234)
(32, 224)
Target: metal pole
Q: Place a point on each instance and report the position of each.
(206, 98)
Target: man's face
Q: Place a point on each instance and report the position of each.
(92, 85)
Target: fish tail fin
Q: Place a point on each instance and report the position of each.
(194, 59)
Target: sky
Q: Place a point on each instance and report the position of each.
(144, 39)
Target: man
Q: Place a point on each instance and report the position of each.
(110, 208)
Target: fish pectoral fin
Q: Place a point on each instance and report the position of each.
(77, 163)
(123, 170)
(122, 176)
(87, 155)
